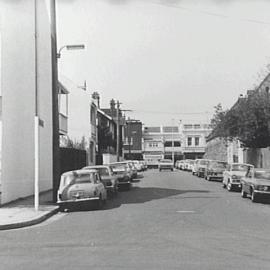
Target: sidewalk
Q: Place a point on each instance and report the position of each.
(21, 213)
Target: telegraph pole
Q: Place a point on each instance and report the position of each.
(55, 113)
(118, 129)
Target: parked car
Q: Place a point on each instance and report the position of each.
(215, 169)
(190, 165)
(195, 167)
(165, 164)
(144, 164)
(81, 186)
(134, 172)
(181, 165)
(138, 165)
(186, 165)
(256, 184)
(177, 164)
(123, 173)
(201, 167)
(233, 174)
(108, 178)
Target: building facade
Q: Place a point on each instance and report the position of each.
(162, 142)
(26, 91)
(194, 139)
(133, 140)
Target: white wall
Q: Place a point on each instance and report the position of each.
(18, 94)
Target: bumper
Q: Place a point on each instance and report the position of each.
(263, 193)
(77, 200)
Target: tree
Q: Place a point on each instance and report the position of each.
(248, 121)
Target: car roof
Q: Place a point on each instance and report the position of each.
(95, 166)
(86, 171)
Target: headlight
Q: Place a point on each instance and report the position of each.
(261, 188)
(234, 177)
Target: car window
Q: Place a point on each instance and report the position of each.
(262, 175)
(103, 171)
(240, 167)
(84, 178)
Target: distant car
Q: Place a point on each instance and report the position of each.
(256, 183)
(233, 174)
(144, 164)
(81, 186)
(134, 171)
(215, 169)
(190, 165)
(195, 167)
(177, 163)
(201, 166)
(123, 173)
(165, 164)
(108, 177)
(181, 165)
(186, 165)
(138, 165)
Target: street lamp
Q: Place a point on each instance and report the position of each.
(71, 47)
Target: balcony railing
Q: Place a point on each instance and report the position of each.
(63, 124)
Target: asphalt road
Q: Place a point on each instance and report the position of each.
(169, 220)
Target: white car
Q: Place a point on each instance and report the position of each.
(81, 187)
(165, 164)
(233, 175)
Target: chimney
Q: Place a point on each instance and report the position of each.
(96, 98)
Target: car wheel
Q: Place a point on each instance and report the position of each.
(229, 186)
(254, 197)
(62, 208)
(100, 202)
(243, 193)
(223, 185)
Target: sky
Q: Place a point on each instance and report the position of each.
(166, 60)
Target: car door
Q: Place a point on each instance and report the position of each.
(247, 181)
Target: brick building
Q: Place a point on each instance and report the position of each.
(133, 140)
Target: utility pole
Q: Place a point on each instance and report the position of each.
(172, 142)
(118, 129)
(55, 113)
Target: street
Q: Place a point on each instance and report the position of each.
(168, 220)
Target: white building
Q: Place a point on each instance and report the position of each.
(162, 142)
(194, 142)
(26, 77)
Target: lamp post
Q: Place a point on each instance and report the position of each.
(70, 47)
(55, 111)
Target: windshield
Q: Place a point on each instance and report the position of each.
(220, 165)
(240, 167)
(262, 175)
(203, 162)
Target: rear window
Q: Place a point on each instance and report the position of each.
(103, 171)
(85, 178)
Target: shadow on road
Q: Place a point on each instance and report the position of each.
(146, 194)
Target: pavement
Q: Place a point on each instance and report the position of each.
(21, 213)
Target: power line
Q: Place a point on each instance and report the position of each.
(171, 113)
(220, 15)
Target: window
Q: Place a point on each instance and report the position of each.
(189, 141)
(168, 144)
(177, 143)
(197, 141)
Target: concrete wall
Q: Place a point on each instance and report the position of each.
(259, 157)
(216, 149)
(18, 96)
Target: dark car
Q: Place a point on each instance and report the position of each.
(256, 184)
(214, 170)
